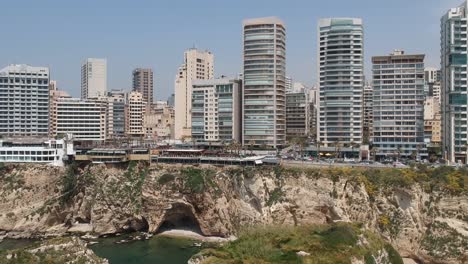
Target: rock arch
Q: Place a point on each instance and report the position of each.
(179, 216)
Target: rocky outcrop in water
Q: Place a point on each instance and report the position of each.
(58, 250)
(422, 213)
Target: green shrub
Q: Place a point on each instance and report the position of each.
(166, 178)
(393, 255)
(275, 196)
(195, 181)
(369, 259)
(69, 183)
(339, 235)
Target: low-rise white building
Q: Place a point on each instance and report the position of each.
(32, 150)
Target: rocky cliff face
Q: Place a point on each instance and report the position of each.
(424, 213)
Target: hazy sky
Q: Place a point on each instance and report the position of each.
(137, 33)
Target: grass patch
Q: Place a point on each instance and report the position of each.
(166, 178)
(336, 243)
(275, 196)
(198, 180)
(442, 242)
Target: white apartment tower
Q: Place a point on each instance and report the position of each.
(341, 81)
(454, 92)
(216, 110)
(264, 96)
(24, 101)
(398, 103)
(135, 112)
(198, 65)
(93, 78)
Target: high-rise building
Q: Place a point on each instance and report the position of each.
(93, 78)
(432, 78)
(198, 65)
(341, 78)
(297, 115)
(24, 101)
(398, 88)
(171, 100)
(313, 95)
(264, 96)
(297, 87)
(454, 92)
(432, 75)
(53, 85)
(289, 85)
(368, 113)
(143, 83)
(217, 110)
(135, 111)
(115, 114)
(432, 120)
(84, 119)
(54, 96)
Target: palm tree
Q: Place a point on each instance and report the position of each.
(337, 149)
(398, 153)
(466, 152)
(318, 144)
(358, 146)
(374, 151)
(251, 145)
(223, 146)
(236, 146)
(418, 149)
(301, 142)
(352, 144)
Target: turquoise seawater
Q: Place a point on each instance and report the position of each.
(158, 249)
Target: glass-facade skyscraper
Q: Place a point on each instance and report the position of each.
(454, 92)
(264, 100)
(341, 78)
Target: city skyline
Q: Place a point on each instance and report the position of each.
(110, 32)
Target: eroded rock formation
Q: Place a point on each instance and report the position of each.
(421, 221)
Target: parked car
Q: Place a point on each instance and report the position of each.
(398, 164)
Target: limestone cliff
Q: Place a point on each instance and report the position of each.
(422, 213)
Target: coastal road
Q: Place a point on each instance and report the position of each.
(298, 163)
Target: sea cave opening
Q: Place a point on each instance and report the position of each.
(180, 216)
